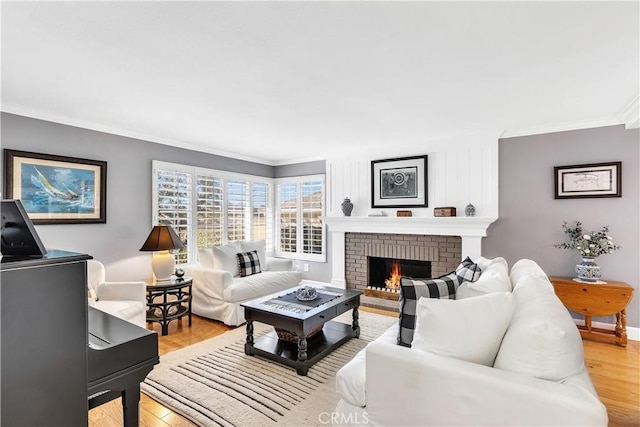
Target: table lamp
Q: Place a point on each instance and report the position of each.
(161, 240)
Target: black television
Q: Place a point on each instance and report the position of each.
(19, 236)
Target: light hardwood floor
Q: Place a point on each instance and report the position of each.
(615, 372)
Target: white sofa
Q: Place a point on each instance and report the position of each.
(218, 290)
(538, 377)
(126, 300)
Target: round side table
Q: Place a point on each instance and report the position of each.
(169, 300)
(595, 299)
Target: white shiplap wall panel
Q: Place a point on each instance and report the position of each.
(457, 176)
(437, 179)
(452, 171)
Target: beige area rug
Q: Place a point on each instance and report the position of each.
(213, 383)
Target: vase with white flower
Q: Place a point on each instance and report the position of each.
(589, 245)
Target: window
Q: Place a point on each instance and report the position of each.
(174, 203)
(299, 208)
(209, 215)
(261, 213)
(208, 207)
(238, 209)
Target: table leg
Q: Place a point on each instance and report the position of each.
(302, 356)
(190, 299)
(355, 325)
(623, 327)
(587, 322)
(248, 346)
(302, 349)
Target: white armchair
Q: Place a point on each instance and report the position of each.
(126, 300)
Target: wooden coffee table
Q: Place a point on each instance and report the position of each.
(307, 329)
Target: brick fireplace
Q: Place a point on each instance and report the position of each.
(442, 241)
(443, 252)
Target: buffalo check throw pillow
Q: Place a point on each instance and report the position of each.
(411, 290)
(249, 263)
(468, 271)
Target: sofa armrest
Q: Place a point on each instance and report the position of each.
(279, 264)
(472, 394)
(209, 281)
(133, 291)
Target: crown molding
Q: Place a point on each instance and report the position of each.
(631, 115)
(561, 127)
(27, 112)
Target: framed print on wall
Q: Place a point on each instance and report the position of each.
(57, 189)
(587, 181)
(399, 183)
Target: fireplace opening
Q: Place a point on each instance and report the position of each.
(385, 273)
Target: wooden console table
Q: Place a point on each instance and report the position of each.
(592, 299)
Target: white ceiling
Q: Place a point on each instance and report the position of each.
(280, 82)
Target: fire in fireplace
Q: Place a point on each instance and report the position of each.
(393, 282)
(386, 272)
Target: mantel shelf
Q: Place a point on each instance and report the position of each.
(445, 226)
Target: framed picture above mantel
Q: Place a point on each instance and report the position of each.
(57, 189)
(591, 180)
(399, 183)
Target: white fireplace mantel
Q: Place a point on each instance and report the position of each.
(470, 229)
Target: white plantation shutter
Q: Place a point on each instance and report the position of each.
(174, 200)
(261, 208)
(210, 214)
(299, 209)
(238, 210)
(288, 217)
(311, 210)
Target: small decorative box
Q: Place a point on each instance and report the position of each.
(403, 213)
(444, 211)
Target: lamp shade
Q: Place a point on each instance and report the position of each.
(162, 238)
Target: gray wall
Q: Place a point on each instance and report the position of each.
(300, 169)
(530, 218)
(115, 243)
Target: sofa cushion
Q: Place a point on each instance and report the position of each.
(469, 329)
(542, 340)
(224, 257)
(259, 285)
(411, 290)
(485, 263)
(248, 263)
(468, 271)
(259, 246)
(205, 257)
(126, 310)
(526, 267)
(495, 278)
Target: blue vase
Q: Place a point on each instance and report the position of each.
(588, 270)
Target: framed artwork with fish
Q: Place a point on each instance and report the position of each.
(588, 181)
(57, 189)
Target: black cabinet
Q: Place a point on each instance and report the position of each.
(43, 356)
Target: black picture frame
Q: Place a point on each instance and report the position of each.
(57, 189)
(400, 182)
(586, 181)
